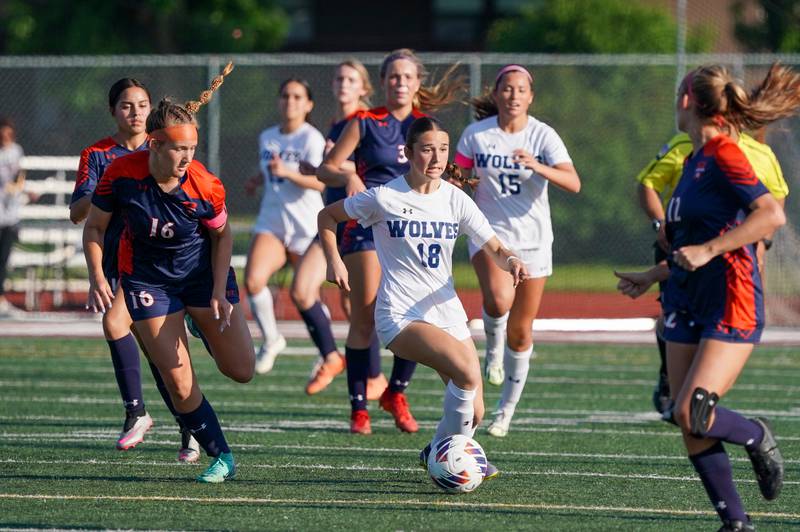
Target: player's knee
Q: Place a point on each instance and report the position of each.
(254, 284)
(115, 328)
(520, 337)
(495, 307)
(362, 329)
(301, 296)
(681, 417)
(180, 390)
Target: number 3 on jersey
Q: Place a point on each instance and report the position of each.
(434, 254)
(167, 230)
(509, 183)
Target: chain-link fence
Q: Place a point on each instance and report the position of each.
(613, 112)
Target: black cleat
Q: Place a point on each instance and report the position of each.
(736, 525)
(423, 456)
(661, 399)
(767, 462)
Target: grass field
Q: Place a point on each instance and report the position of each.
(585, 452)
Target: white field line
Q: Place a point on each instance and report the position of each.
(377, 469)
(471, 505)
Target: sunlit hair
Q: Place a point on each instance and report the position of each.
(429, 97)
(366, 82)
(120, 86)
(6, 122)
(484, 105)
(718, 98)
(169, 113)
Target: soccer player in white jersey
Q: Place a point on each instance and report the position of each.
(513, 158)
(416, 219)
(285, 226)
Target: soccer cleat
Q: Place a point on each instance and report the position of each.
(397, 405)
(661, 398)
(324, 371)
(495, 374)
(359, 422)
(376, 386)
(221, 469)
(192, 326)
(189, 452)
(130, 438)
(767, 462)
(736, 525)
(266, 356)
(499, 427)
(423, 456)
(491, 471)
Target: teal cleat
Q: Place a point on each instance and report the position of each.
(192, 326)
(221, 469)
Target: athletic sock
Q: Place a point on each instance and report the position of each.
(516, 365)
(357, 364)
(732, 427)
(204, 426)
(402, 371)
(714, 468)
(319, 328)
(374, 358)
(459, 411)
(662, 352)
(261, 307)
(125, 358)
(162, 389)
(495, 330)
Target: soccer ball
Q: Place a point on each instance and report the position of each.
(457, 464)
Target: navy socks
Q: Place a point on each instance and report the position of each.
(204, 426)
(374, 358)
(162, 389)
(733, 427)
(715, 471)
(125, 358)
(357, 371)
(401, 374)
(319, 328)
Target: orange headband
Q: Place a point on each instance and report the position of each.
(177, 133)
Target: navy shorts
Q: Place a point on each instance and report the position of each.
(680, 328)
(147, 300)
(356, 238)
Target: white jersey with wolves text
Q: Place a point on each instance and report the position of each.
(512, 197)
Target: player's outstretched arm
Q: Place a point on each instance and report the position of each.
(100, 292)
(506, 260)
(634, 284)
(221, 252)
(327, 219)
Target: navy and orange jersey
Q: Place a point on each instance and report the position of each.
(379, 155)
(334, 194)
(165, 237)
(93, 162)
(712, 197)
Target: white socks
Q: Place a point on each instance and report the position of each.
(264, 313)
(459, 411)
(516, 365)
(495, 329)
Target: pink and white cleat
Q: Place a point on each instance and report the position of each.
(128, 439)
(189, 452)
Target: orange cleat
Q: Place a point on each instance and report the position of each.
(376, 386)
(323, 373)
(359, 422)
(396, 404)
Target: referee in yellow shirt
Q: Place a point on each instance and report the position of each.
(657, 181)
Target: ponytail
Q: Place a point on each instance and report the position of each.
(193, 106)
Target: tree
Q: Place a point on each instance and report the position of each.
(141, 26)
(591, 26)
(778, 30)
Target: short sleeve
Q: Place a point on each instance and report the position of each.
(739, 176)
(364, 207)
(773, 178)
(217, 199)
(464, 151)
(316, 148)
(87, 177)
(553, 149)
(472, 221)
(663, 172)
(103, 196)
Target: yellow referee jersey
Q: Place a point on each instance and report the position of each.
(663, 172)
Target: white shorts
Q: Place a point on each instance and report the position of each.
(538, 261)
(296, 237)
(388, 327)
